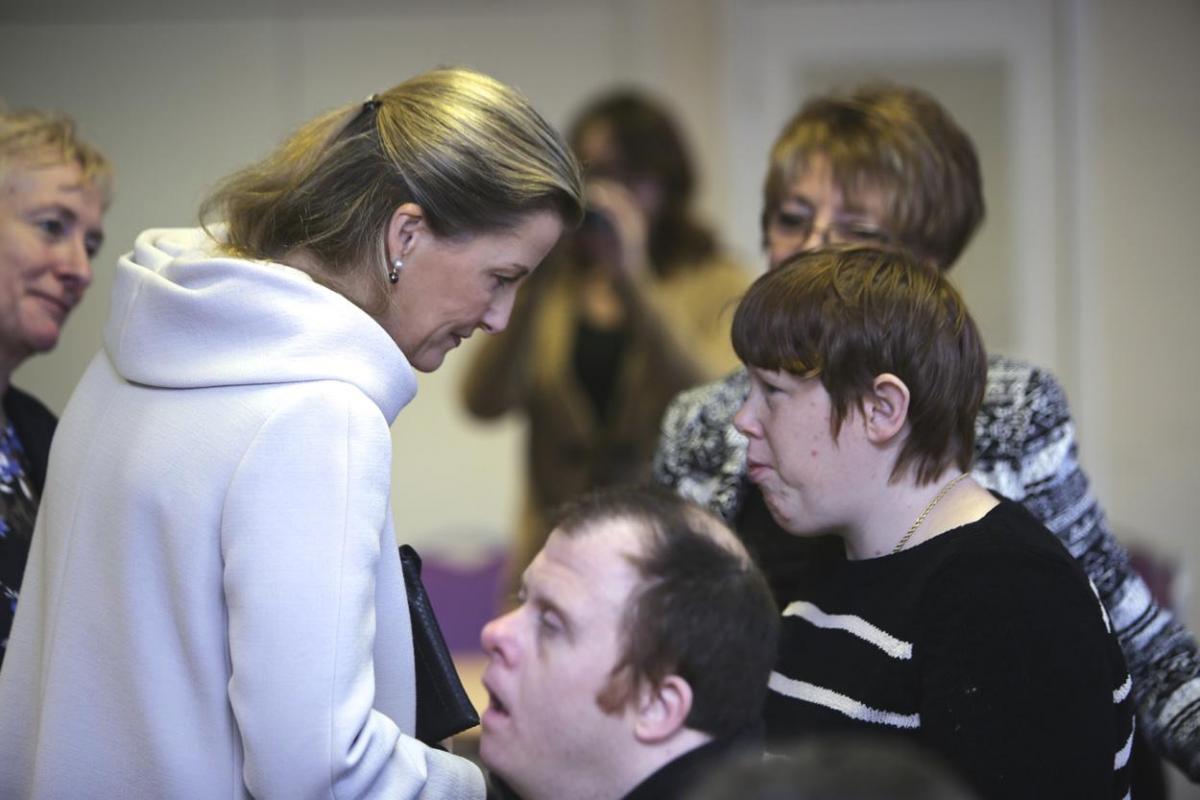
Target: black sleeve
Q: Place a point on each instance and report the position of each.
(35, 426)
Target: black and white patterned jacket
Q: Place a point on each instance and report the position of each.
(1025, 450)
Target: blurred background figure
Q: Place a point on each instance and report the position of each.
(631, 310)
(842, 767)
(54, 190)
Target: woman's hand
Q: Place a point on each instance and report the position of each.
(617, 206)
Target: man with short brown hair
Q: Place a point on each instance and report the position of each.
(637, 658)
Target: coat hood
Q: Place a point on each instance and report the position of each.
(186, 317)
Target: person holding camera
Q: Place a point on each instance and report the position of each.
(630, 310)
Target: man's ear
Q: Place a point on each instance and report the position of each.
(662, 710)
(885, 408)
(405, 226)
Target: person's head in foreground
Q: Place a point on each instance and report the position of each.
(644, 632)
(426, 205)
(54, 190)
(882, 164)
(839, 767)
(866, 375)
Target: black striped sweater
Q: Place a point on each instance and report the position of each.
(1025, 449)
(986, 644)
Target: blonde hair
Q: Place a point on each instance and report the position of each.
(49, 138)
(469, 150)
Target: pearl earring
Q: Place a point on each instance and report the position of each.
(394, 272)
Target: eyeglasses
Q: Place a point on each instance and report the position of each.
(800, 225)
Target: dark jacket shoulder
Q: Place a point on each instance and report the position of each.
(34, 424)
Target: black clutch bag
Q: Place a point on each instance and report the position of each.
(443, 708)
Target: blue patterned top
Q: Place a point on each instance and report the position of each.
(18, 510)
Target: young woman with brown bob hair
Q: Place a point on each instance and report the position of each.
(955, 619)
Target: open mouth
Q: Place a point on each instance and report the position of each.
(496, 704)
(496, 708)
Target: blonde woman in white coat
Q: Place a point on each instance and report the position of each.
(214, 607)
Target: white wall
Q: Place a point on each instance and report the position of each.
(1137, 185)
(1138, 191)
(180, 94)
(1095, 186)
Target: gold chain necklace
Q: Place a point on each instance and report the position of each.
(945, 490)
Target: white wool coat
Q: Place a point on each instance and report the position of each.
(214, 606)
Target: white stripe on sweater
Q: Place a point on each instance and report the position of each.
(1100, 605)
(801, 690)
(1122, 691)
(896, 648)
(1122, 757)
